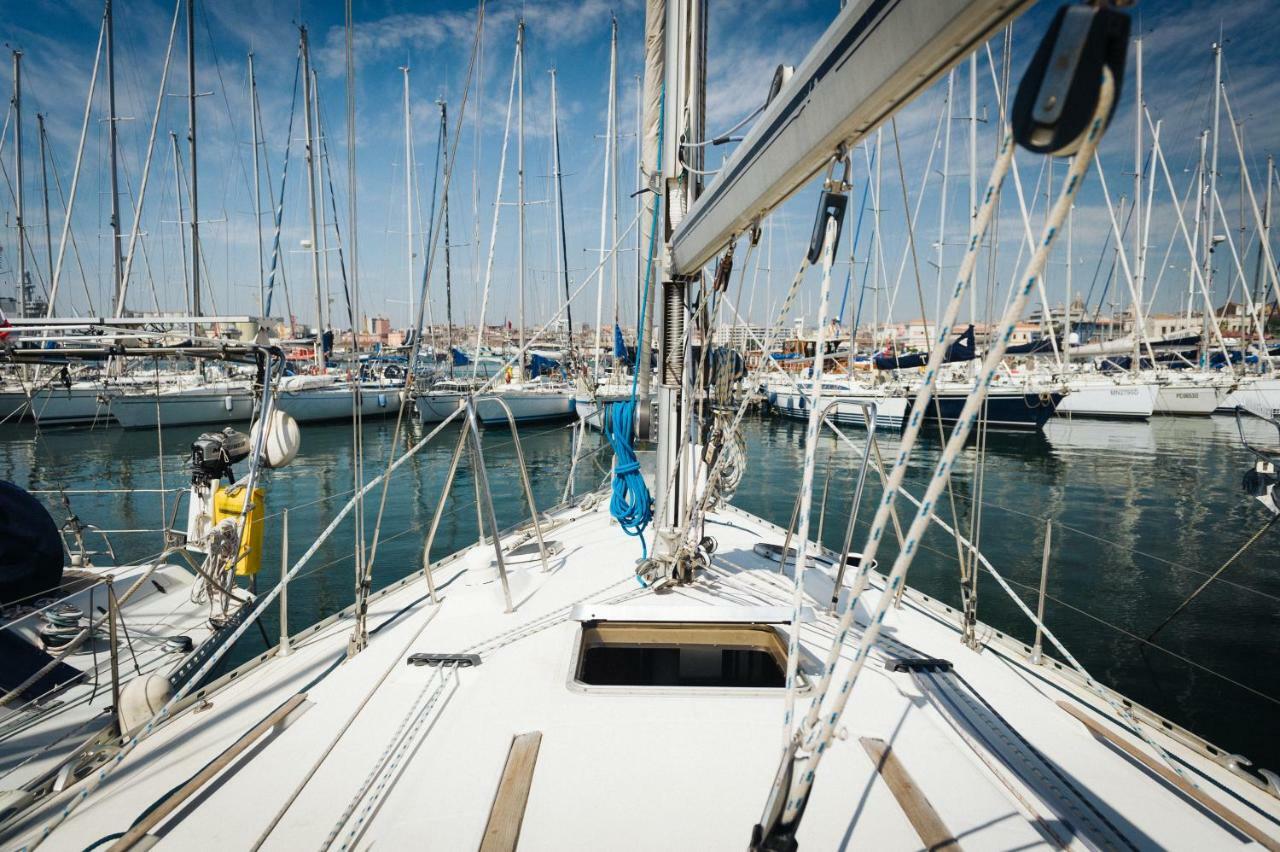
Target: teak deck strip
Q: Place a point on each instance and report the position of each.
(923, 818)
(506, 815)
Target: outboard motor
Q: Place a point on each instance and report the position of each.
(212, 457)
(213, 454)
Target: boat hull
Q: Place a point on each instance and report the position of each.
(436, 407)
(56, 406)
(1188, 400)
(1109, 400)
(526, 407)
(1004, 411)
(1259, 396)
(191, 407)
(890, 410)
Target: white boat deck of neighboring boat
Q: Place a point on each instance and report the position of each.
(160, 626)
(996, 753)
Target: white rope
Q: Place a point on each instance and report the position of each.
(806, 480)
(819, 734)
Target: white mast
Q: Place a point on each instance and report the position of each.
(191, 142)
(1138, 244)
(942, 206)
(408, 198)
(561, 247)
(520, 177)
(1213, 172)
(613, 164)
(177, 197)
(604, 199)
(257, 187)
(48, 225)
(17, 165)
(973, 164)
(311, 197)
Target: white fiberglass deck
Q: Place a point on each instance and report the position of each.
(1003, 765)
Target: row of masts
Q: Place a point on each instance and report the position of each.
(188, 179)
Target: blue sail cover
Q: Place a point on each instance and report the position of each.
(1035, 347)
(540, 365)
(460, 358)
(963, 348)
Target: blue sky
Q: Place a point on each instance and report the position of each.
(746, 42)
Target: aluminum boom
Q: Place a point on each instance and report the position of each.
(875, 56)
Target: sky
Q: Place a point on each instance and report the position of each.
(746, 42)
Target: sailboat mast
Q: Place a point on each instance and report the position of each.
(177, 197)
(408, 198)
(311, 195)
(48, 226)
(613, 160)
(448, 266)
(520, 179)
(1258, 288)
(1213, 171)
(117, 265)
(191, 142)
(683, 133)
(1138, 247)
(973, 164)
(17, 165)
(562, 255)
(604, 199)
(942, 204)
(257, 187)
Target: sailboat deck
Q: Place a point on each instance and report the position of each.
(999, 763)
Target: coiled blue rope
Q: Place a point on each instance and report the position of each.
(630, 502)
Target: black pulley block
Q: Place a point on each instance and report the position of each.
(1059, 91)
(832, 207)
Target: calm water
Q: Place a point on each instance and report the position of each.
(1141, 512)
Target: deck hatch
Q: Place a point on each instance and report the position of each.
(696, 655)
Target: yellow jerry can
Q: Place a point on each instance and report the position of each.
(229, 503)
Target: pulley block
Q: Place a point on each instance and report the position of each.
(1060, 89)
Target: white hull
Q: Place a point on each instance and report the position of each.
(527, 406)
(436, 407)
(1188, 400)
(199, 406)
(890, 410)
(56, 405)
(1260, 396)
(1108, 400)
(320, 404)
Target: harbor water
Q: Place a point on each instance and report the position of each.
(1142, 514)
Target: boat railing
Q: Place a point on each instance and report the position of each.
(484, 499)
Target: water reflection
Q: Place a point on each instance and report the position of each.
(1141, 512)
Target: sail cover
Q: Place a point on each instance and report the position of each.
(962, 348)
(1035, 347)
